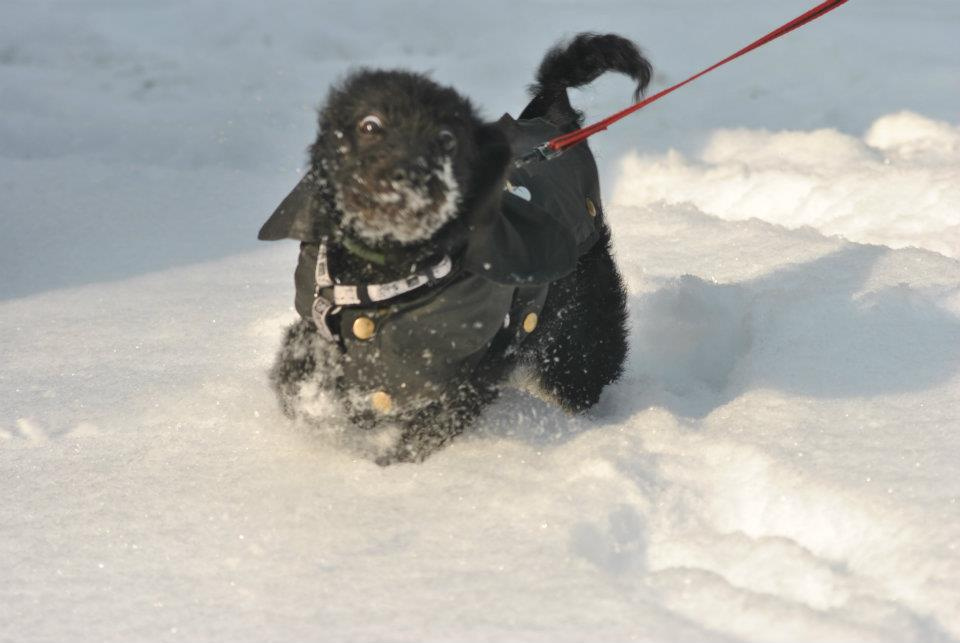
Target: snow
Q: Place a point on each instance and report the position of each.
(778, 462)
(898, 186)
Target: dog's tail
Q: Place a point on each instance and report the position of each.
(576, 63)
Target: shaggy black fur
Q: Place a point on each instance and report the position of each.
(395, 150)
(577, 63)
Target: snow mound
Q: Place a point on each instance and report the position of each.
(899, 185)
(777, 463)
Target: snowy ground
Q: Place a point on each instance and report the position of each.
(778, 462)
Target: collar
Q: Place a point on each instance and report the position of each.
(358, 249)
(443, 241)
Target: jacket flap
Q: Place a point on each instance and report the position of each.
(302, 215)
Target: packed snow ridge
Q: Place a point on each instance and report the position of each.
(898, 186)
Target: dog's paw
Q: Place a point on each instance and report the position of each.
(306, 367)
(419, 439)
(400, 453)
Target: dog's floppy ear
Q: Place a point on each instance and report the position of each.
(493, 163)
(524, 245)
(302, 215)
(512, 241)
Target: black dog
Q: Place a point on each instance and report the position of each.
(432, 264)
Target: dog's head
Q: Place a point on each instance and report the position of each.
(406, 167)
(400, 154)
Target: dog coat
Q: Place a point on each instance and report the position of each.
(408, 342)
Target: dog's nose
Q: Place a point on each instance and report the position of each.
(405, 172)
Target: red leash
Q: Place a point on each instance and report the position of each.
(556, 146)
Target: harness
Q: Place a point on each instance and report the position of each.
(411, 339)
(330, 297)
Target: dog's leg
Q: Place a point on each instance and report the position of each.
(435, 425)
(582, 344)
(304, 357)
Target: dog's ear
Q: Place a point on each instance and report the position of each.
(302, 215)
(493, 163)
(511, 241)
(523, 245)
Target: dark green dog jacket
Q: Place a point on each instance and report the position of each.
(413, 339)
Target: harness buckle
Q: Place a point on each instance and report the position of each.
(321, 310)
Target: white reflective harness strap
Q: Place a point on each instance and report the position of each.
(383, 292)
(321, 306)
(349, 295)
(322, 273)
(346, 295)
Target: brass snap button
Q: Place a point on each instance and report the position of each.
(363, 328)
(381, 401)
(530, 322)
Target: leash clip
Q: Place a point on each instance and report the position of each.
(542, 152)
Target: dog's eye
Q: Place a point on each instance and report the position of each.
(371, 124)
(447, 140)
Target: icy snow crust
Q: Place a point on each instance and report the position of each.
(777, 464)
